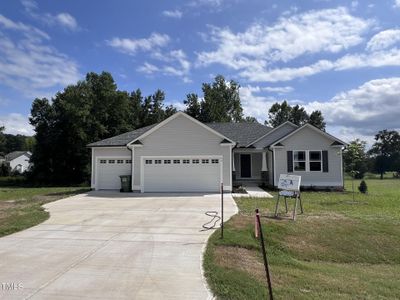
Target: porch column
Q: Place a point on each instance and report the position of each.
(233, 162)
(264, 162)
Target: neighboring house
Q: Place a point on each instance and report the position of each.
(181, 154)
(19, 161)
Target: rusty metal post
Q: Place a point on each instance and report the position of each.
(264, 255)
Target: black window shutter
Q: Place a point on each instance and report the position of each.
(325, 167)
(290, 161)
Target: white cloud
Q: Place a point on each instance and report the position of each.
(291, 37)
(174, 63)
(397, 3)
(360, 112)
(15, 123)
(382, 58)
(28, 63)
(210, 3)
(278, 89)
(176, 14)
(62, 19)
(384, 39)
(132, 46)
(364, 110)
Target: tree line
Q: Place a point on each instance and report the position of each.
(384, 155)
(95, 109)
(14, 142)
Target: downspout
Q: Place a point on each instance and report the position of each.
(273, 166)
(130, 148)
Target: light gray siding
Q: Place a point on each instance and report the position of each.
(309, 139)
(182, 137)
(107, 153)
(275, 135)
(256, 164)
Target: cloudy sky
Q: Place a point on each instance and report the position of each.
(342, 57)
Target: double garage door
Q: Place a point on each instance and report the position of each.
(164, 174)
(181, 174)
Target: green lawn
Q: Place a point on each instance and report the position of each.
(339, 249)
(21, 207)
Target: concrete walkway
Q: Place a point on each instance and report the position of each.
(255, 191)
(112, 246)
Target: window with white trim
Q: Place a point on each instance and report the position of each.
(103, 161)
(120, 161)
(128, 161)
(157, 161)
(167, 161)
(215, 161)
(299, 160)
(149, 161)
(205, 161)
(315, 160)
(186, 161)
(111, 161)
(195, 161)
(177, 161)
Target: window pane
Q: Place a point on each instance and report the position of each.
(315, 155)
(299, 166)
(315, 166)
(300, 155)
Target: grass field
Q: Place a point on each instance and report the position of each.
(21, 207)
(339, 249)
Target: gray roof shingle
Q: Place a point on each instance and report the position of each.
(13, 155)
(122, 139)
(241, 133)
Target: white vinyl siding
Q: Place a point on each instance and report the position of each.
(180, 138)
(308, 139)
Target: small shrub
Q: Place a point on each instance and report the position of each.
(363, 187)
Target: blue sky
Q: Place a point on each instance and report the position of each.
(342, 57)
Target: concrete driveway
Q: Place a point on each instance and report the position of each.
(106, 245)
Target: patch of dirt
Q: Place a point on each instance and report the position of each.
(240, 222)
(241, 259)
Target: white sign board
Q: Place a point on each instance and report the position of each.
(289, 182)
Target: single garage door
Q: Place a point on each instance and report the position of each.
(109, 170)
(172, 174)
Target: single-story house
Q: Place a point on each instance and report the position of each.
(19, 161)
(182, 154)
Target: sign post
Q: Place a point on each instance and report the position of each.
(222, 210)
(289, 187)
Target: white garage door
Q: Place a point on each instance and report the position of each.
(109, 170)
(172, 174)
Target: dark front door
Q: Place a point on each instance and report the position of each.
(245, 165)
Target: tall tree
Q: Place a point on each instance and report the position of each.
(88, 111)
(280, 113)
(386, 151)
(221, 102)
(317, 119)
(2, 140)
(193, 105)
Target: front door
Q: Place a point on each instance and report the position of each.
(245, 165)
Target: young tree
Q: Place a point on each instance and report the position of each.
(355, 158)
(221, 102)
